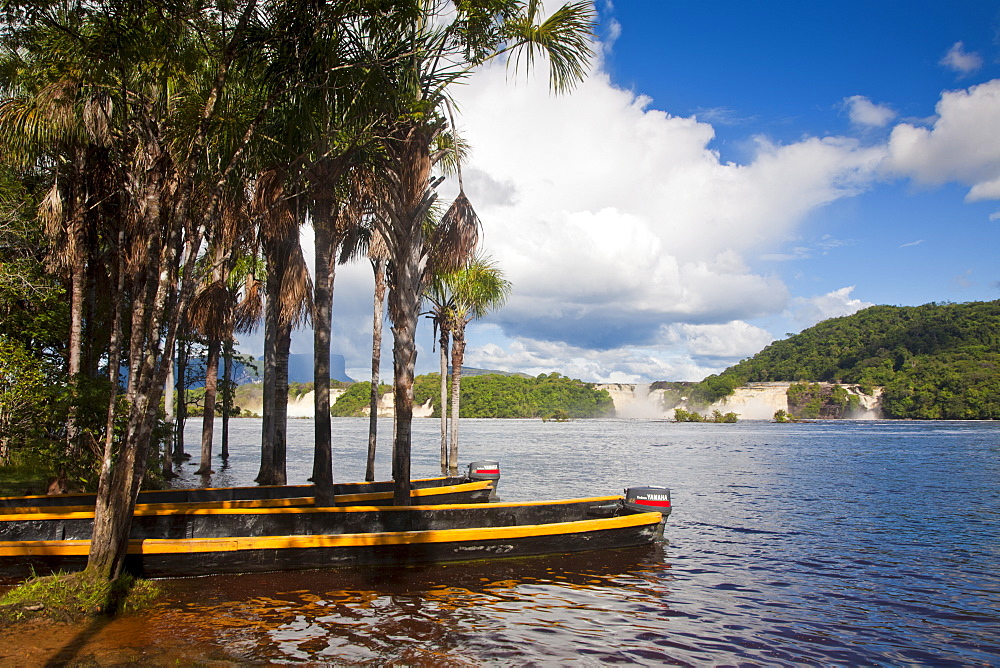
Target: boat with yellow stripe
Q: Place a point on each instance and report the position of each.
(477, 485)
(203, 541)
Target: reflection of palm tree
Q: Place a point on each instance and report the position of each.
(460, 297)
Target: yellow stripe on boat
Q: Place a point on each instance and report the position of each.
(302, 503)
(234, 544)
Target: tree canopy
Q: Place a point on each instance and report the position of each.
(499, 396)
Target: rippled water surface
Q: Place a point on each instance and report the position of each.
(823, 543)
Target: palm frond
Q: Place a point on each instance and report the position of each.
(296, 290)
(250, 309)
(211, 311)
(454, 239)
(564, 38)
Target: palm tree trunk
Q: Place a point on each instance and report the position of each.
(378, 308)
(119, 484)
(404, 300)
(227, 395)
(170, 417)
(443, 344)
(266, 474)
(78, 279)
(283, 343)
(208, 420)
(182, 359)
(322, 475)
(457, 357)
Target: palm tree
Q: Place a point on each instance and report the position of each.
(445, 50)
(286, 305)
(476, 289)
(442, 314)
(378, 254)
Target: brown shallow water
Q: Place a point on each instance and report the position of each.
(447, 615)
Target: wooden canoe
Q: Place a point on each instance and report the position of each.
(203, 541)
(478, 485)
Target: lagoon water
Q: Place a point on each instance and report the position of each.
(847, 543)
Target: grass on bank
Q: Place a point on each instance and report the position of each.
(74, 596)
(24, 475)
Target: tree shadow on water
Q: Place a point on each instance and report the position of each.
(112, 604)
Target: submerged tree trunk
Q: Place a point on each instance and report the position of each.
(457, 356)
(443, 344)
(378, 266)
(227, 395)
(181, 384)
(322, 475)
(266, 474)
(208, 419)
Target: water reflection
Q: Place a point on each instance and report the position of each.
(452, 614)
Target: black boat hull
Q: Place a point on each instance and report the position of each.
(208, 556)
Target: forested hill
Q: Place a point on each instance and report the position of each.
(937, 361)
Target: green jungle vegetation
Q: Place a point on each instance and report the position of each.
(357, 398)
(813, 400)
(547, 396)
(681, 415)
(936, 361)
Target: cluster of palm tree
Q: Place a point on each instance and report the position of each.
(183, 143)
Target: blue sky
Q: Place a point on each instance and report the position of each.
(731, 172)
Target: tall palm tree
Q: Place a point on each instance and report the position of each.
(378, 254)
(287, 304)
(442, 314)
(446, 47)
(476, 289)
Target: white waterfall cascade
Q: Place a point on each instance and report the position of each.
(755, 401)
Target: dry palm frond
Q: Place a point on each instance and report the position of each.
(96, 112)
(377, 247)
(270, 207)
(249, 311)
(211, 311)
(50, 211)
(296, 290)
(454, 239)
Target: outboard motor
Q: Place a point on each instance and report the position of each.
(485, 470)
(645, 499)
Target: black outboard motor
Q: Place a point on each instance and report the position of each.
(645, 499)
(485, 470)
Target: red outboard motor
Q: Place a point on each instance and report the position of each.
(645, 499)
(485, 471)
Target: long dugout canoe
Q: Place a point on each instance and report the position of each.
(217, 541)
(478, 485)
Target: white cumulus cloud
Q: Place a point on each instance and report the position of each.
(962, 145)
(614, 219)
(807, 311)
